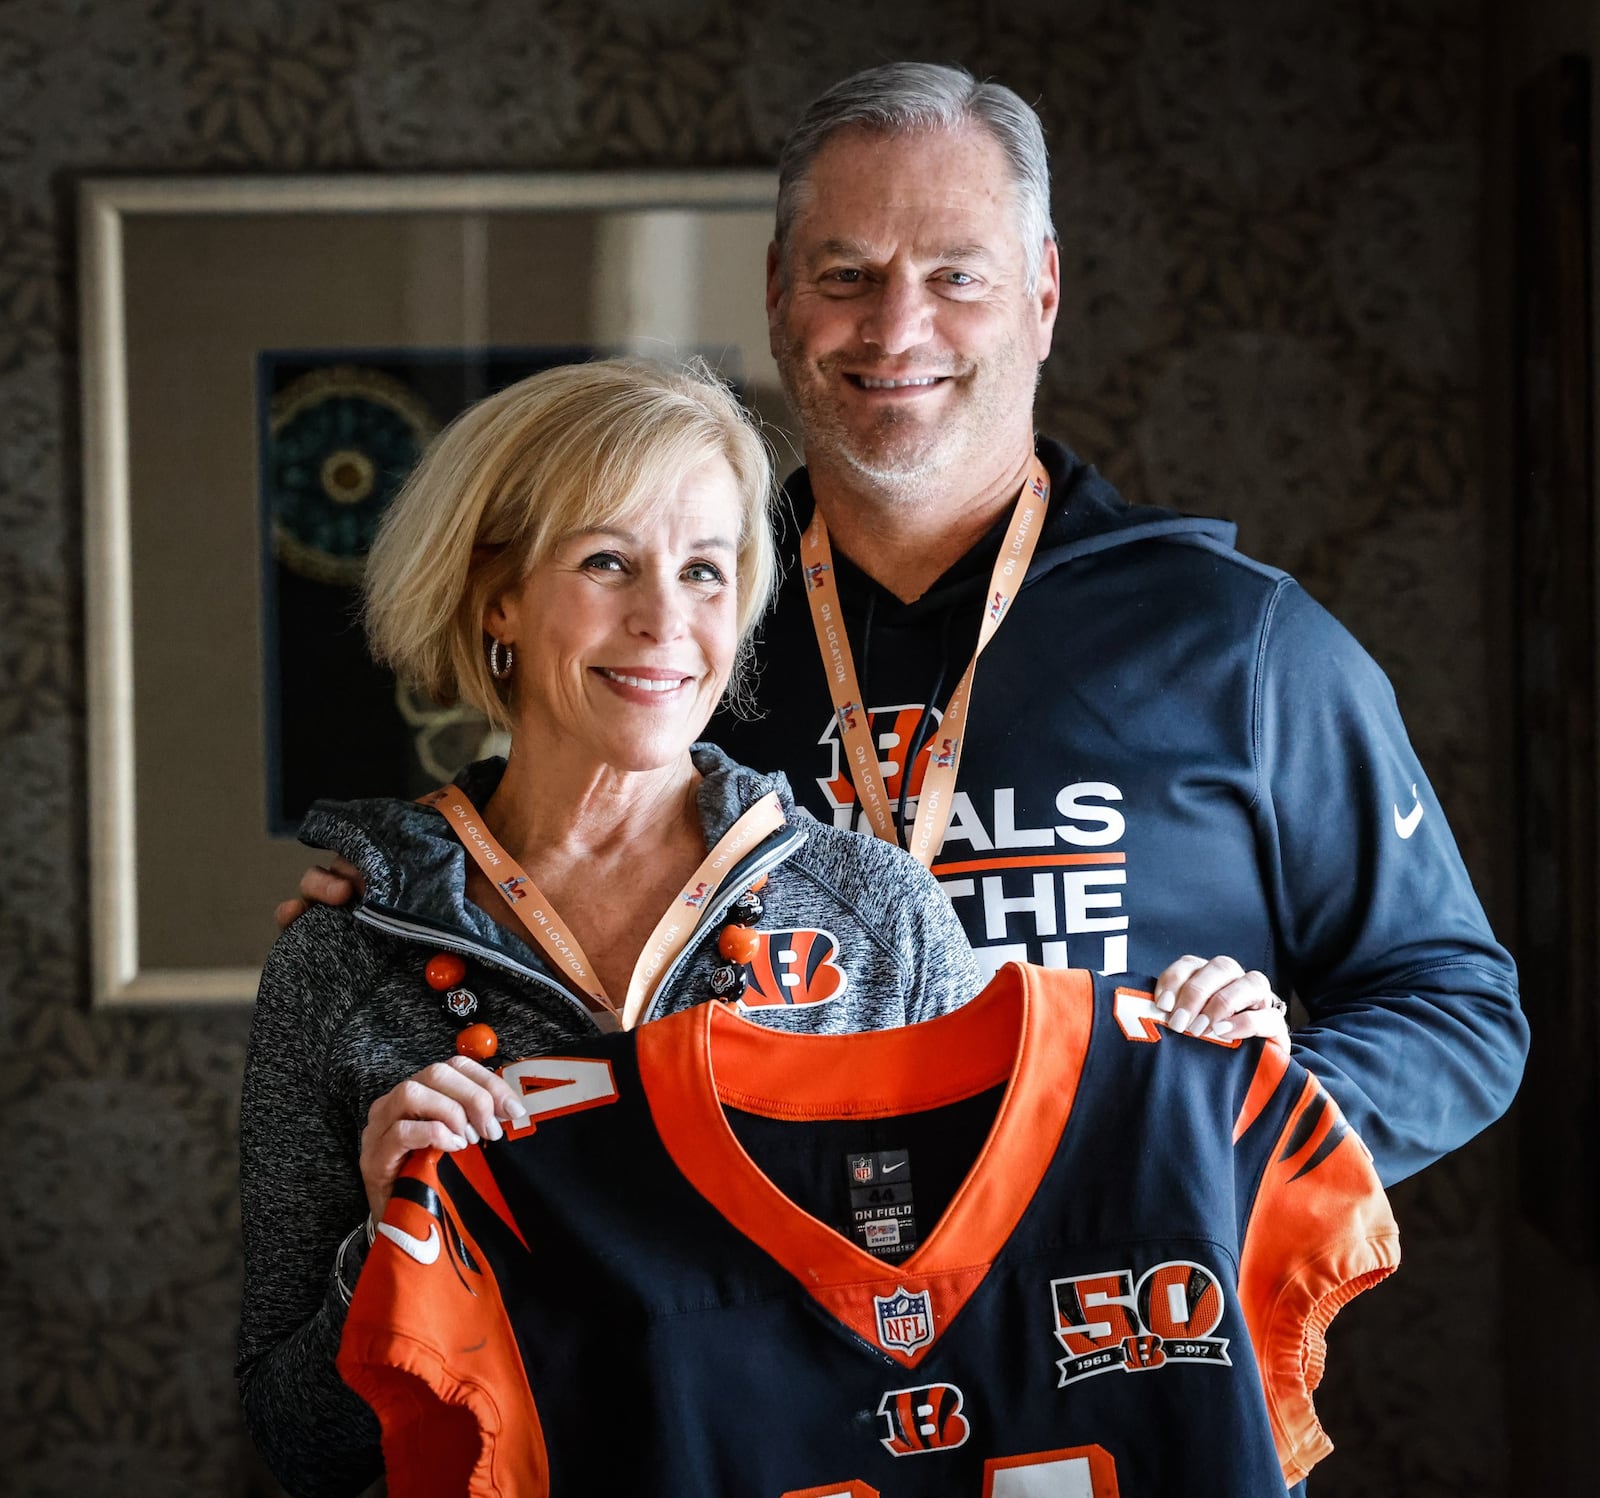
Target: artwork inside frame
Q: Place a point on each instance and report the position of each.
(338, 430)
(229, 326)
(1556, 668)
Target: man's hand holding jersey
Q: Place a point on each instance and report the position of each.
(1219, 998)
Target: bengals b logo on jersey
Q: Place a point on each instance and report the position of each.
(925, 1419)
(791, 968)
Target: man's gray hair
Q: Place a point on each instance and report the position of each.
(903, 97)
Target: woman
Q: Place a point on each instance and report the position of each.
(584, 557)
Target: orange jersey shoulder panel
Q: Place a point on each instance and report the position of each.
(435, 1356)
(1320, 1232)
(475, 1168)
(1270, 1067)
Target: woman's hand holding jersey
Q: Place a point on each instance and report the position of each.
(447, 1106)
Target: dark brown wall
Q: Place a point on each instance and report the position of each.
(1551, 1411)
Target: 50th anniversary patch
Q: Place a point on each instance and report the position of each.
(1107, 1321)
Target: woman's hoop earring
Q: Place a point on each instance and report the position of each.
(499, 660)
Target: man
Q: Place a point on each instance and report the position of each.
(1163, 747)
(1170, 748)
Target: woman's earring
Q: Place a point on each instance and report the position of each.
(499, 660)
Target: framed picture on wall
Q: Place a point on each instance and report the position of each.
(263, 360)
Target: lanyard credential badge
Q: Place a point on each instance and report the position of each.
(538, 917)
(855, 727)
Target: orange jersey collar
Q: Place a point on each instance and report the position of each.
(1026, 1029)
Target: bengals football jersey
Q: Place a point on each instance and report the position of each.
(1040, 1247)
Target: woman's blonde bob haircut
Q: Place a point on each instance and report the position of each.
(564, 451)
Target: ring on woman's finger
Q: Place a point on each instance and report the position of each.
(1279, 1004)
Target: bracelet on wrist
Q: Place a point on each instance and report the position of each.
(340, 1282)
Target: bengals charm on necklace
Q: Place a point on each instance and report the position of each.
(445, 974)
(737, 943)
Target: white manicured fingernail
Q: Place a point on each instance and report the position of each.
(495, 1131)
(1201, 1024)
(1179, 1021)
(1165, 1000)
(1222, 1027)
(472, 1134)
(454, 1141)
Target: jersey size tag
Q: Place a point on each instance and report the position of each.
(882, 1213)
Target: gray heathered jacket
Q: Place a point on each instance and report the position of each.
(343, 1014)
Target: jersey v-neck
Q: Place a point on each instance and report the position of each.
(1029, 1029)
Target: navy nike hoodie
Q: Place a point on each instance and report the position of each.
(1171, 749)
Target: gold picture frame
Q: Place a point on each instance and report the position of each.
(184, 282)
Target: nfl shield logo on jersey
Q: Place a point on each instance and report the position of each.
(905, 1321)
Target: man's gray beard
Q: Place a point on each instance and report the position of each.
(893, 471)
(888, 468)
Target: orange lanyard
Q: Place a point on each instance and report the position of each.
(935, 803)
(538, 916)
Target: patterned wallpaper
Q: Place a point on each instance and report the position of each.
(1269, 233)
